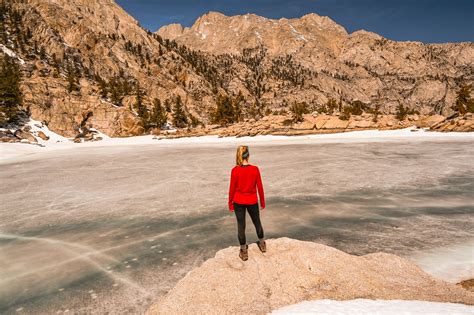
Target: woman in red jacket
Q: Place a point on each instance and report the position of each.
(245, 181)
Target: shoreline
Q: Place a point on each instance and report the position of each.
(10, 152)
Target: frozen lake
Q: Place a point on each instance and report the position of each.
(109, 229)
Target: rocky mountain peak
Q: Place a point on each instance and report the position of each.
(216, 32)
(172, 30)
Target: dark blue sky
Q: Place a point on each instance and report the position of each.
(428, 21)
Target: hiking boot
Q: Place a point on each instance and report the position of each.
(262, 245)
(244, 253)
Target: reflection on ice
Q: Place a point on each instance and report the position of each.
(108, 229)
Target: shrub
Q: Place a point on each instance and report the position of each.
(298, 110)
(402, 112)
(10, 93)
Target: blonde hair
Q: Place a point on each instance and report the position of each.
(242, 149)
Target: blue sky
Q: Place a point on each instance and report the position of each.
(429, 21)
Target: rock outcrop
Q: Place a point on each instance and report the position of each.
(292, 271)
(282, 125)
(458, 123)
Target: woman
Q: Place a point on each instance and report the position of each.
(245, 181)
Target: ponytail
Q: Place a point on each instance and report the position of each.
(242, 154)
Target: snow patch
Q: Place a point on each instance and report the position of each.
(37, 126)
(379, 307)
(301, 37)
(99, 133)
(297, 34)
(11, 53)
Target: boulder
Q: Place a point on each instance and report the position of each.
(335, 123)
(8, 139)
(25, 135)
(365, 123)
(463, 123)
(293, 271)
(321, 120)
(304, 125)
(43, 136)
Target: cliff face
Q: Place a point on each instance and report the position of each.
(359, 66)
(88, 56)
(292, 271)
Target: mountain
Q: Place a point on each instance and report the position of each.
(217, 33)
(82, 63)
(90, 64)
(334, 64)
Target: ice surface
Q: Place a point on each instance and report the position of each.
(379, 307)
(454, 263)
(74, 217)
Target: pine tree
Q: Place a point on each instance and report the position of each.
(402, 112)
(298, 110)
(376, 113)
(42, 53)
(10, 93)
(158, 116)
(225, 113)
(168, 105)
(194, 121)
(179, 115)
(141, 109)
(237, 102)
(73, 84)
(464, 102)
(115, 90)
(332, 105)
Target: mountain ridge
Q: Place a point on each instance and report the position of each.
(91, 65)
(367, 67)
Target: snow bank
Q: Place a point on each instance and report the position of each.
(37, 126)
(379, 307)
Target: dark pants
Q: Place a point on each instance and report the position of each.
(254, 215)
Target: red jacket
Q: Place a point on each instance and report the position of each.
(244, 182)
